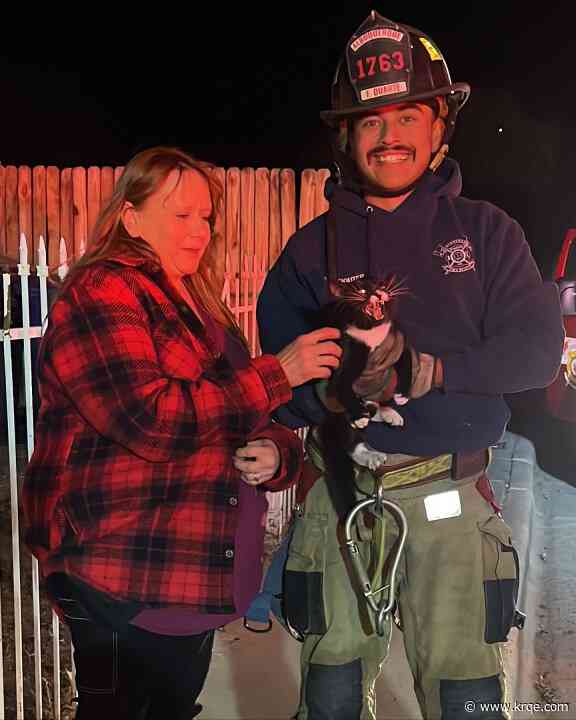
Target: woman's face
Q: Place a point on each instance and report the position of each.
(174, 221)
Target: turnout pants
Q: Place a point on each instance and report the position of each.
(458, 580)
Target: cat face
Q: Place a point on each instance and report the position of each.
(363, 303)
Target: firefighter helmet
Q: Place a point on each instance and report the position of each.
(386, 63)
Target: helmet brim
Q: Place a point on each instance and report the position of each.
(460, 92)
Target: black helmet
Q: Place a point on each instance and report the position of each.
(386, 63)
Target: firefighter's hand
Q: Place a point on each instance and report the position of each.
(377, 377)
(379, 381)
(427, 374)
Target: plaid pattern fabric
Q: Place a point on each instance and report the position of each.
(131, 485)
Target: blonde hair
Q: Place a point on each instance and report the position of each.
(141, 177)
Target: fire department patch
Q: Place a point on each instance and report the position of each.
(379, 61)
(458, 256)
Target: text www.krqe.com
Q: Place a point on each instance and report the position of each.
(513, 707)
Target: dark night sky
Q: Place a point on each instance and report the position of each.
(241, 86)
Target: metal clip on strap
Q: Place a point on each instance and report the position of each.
(381, 609)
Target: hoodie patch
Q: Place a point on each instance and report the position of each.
(458, 256)
(351, 278)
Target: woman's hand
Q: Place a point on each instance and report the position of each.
(311, 357)
(263, 462)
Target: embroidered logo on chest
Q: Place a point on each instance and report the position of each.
(351, 278)
(458, 256)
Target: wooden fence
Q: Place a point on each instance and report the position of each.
(258, 216)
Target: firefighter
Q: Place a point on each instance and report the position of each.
(482, 323)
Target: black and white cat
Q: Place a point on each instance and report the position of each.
(364, 312)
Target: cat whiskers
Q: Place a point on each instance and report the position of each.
(394, 287)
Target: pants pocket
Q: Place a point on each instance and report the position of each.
(73, 611)
(501, 578)
(303, 597)
(95, 646)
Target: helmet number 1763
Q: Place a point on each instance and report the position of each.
(368, 66)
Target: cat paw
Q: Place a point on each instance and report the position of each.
(376, 460)
(390, 416)
(400, 399)
(360, 423)
(367, 457)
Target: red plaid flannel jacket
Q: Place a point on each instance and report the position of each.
(131, 486)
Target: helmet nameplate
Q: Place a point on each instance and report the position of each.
(379, 63)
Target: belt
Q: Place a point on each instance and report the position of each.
(456, 466)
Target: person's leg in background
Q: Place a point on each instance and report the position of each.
(181, 667)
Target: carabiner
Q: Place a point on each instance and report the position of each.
(380, 610)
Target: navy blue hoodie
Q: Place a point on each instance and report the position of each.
(476, 300)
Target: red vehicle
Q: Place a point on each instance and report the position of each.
(561, 395)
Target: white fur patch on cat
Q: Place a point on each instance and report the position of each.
(373, 337)
(388, 415)
(366, 456)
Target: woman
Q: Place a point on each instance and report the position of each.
(144, 498)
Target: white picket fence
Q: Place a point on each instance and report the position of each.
(240, 292)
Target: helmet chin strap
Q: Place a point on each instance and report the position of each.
(438, 159)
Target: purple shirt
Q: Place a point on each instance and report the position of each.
(249, 538)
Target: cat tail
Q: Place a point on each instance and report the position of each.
(335, 438)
